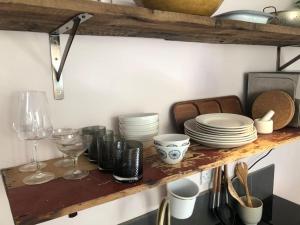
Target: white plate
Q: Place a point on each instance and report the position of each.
(221, 138)
(223, 145)
(193, 137)
(191, 125)
(225, 120)
(223, 130)
(144, 118)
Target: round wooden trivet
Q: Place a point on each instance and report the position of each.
(276, 100)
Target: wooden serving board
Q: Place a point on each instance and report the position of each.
(183, 111)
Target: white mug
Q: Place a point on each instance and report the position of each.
(182, 195)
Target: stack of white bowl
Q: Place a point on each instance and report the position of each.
(139, 127)
(172, 147)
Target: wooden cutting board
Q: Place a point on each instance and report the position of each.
(183, 111)
(277, 100)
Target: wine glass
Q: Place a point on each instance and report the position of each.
(32, 122)
(61, 133)
(74, 146)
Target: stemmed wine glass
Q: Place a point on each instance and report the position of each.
(73, 146)
(32, 123)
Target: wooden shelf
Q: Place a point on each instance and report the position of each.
(114, 20)
(61, 197)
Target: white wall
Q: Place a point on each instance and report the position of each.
(106, 76)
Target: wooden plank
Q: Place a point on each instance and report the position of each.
(116, 20)
(62, 197)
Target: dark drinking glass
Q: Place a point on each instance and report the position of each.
(105, 151)
(96, 132)
(128, 161)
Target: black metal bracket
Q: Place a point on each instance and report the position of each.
(57, 60)
(280, 67)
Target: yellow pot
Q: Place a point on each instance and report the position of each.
(197, 7)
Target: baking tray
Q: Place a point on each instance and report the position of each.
(182, 111)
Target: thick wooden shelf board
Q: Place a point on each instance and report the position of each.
(116, 20)
(35, 204)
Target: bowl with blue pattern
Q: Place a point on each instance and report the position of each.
(171, 155)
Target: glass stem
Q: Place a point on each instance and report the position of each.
(75, 163)
(38, 166)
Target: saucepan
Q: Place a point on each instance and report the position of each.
(286, 18)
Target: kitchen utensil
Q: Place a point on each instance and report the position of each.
(225, 212)
(224, 121)
(285, 18)
(214, 190)
(128, 161)
(32, 123)
(216, 194)
(182, 195)
(198, 7)
(263, 126)
(232, 190)
(250, 16)
(268, 116)
(183, 111)
(172, 155)
(241, 171)
(278, 101)
(172, 140)
(97, 132)
(251, 215)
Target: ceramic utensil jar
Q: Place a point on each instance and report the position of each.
(251, 215)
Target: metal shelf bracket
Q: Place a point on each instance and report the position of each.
(58, 60)
(280, 67)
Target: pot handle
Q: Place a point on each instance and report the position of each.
(270, 7)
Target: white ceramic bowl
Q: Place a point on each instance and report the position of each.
(171, 155)
(151, 126)
(139, 133)
(139, 137)
(140, 118)
(169, 140)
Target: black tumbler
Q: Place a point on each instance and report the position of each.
(96, 132)
(105, 150)
(128, 161)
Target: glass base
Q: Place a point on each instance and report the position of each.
(127, 179)
(65, 162)
(38, 178)
(76, 174)
(31, 167)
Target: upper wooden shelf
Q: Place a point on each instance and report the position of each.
(115, 20)
(62, 197)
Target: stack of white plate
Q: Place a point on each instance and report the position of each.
(221, 130)
(140, 127)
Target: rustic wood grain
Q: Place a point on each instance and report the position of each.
(62, 197)
(116, 20)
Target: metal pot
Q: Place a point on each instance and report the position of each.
(285, 18)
